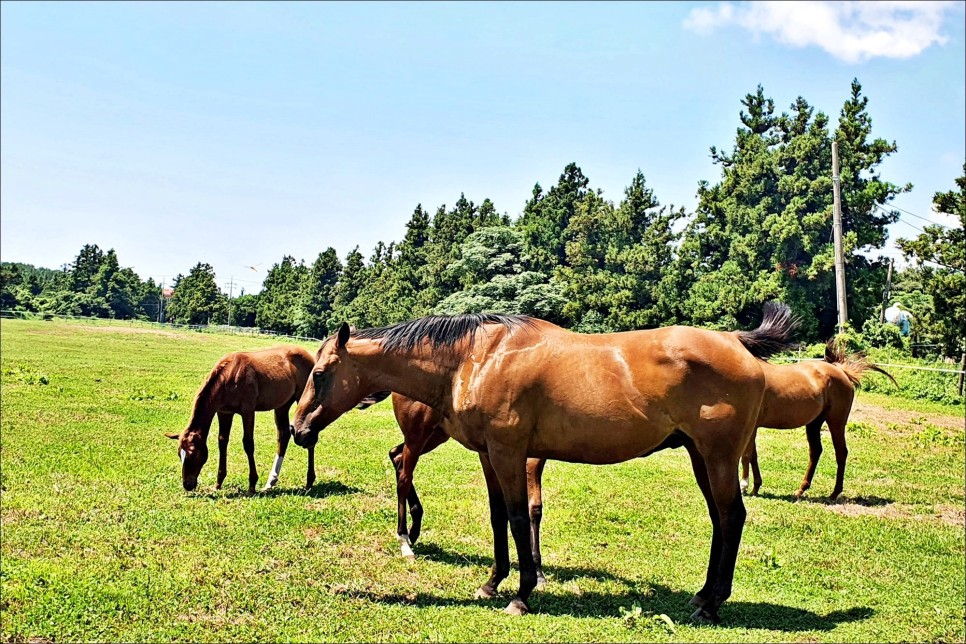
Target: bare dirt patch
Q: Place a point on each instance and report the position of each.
(882, 417)
(948, 514)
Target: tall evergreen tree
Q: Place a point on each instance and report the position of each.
(940, 254)
(318, 295)
(545, 217)
(197, 298)
(764, 231)
(279, 302)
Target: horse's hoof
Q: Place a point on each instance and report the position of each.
(743, 484)
(754, 492)
(516, 607)
(702, 616)
(698, 601)
(541, 581)
(484, 592)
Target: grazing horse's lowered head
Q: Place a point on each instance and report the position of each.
(317, 408)
(193, 451)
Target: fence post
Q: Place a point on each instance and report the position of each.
(962, 372)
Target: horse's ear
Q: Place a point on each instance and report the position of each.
(343, 337)
(174, 436)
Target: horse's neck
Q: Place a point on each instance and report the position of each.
(204, 411)
(414, 374)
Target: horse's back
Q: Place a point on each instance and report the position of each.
(797, 394)
(609, 397)
(266, 379)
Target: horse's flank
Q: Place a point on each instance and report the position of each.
(251, 381)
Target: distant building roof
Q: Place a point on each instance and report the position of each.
(167, 292)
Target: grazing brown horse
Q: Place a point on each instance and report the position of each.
(509, 387)
(810, 393)
(243, 383)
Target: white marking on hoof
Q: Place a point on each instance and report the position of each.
(484, 593)
(516, 607)
(406, 546)
(744, 484)
(183, 454)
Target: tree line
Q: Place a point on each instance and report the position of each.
(762, 231)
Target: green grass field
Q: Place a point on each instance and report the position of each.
(100, 542)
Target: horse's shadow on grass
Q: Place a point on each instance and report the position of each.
(866, 501)
(317, 491)
(555, 599)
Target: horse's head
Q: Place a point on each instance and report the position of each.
(193, 451)
(337, 384)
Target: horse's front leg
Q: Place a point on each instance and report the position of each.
(248, 442)
(498, 521)
(224, 430)
(283, 435)
(535, 492)
(510, 464)
(436, 438)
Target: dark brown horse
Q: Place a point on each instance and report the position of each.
(509, 387)
(809, 393)
(243, 383)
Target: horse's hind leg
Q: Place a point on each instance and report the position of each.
(535, 492)
(836, 427)
(750, 457)
(723, 478)
(248, 441)
(755, 470)
(701, 476)
(224, 430)
(813, 431)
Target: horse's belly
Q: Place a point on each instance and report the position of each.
(597, 444)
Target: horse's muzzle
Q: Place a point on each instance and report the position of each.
(302, 439)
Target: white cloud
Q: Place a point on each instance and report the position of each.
(851, 31)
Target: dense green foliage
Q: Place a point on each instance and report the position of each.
(941, 255)
(763, 230)
(101, 543)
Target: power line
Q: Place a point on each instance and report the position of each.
(935, 223)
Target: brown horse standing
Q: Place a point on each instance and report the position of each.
(243, 383)
(810, 393)
(509, 387)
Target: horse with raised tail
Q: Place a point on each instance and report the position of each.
(512, 387)
(810, 393)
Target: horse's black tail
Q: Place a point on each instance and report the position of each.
(773, 335)
(372, 399)
(853, 365)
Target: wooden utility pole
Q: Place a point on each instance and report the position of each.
(837, 233)
(887, 293)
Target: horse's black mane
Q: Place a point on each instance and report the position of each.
(440, 330)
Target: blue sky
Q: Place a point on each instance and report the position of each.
(236, 133)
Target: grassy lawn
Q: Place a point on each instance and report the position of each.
(100, 542)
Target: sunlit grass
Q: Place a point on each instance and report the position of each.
(99, 541)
